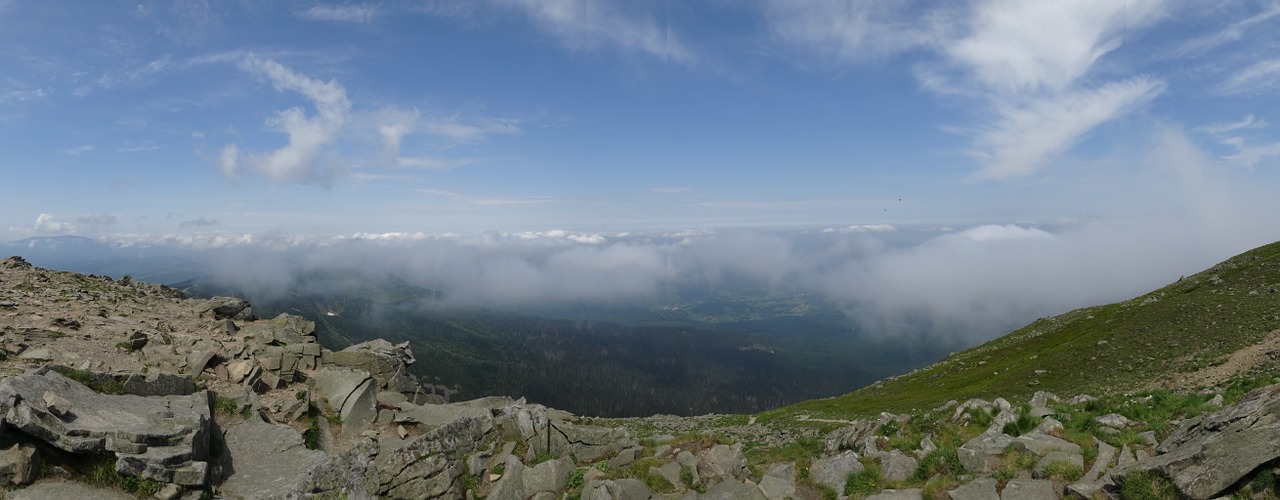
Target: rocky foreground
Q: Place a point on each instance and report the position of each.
(119, 388)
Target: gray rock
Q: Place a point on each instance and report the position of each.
(1206, 455)
(1040, 443)
(907, 494)
(833, 471)
(352, 394)
(20, 464)
(626, 457)
(732, 489)
(39, 354)
(662, 451)
(669, 471)
(1216, 401)
(898, 466)
(160, 438)
(1028, 489)
(229, 307)
(550, 476)
(159, 384)
(777, 488)
(169, 492)
(1106, 453)
(689, 462)
(1149, 437)
(1114, 420)
(270, 460)
(784, 470)
(511, 485)
(57, 405)
(1075, 459)
(1126, 458)
(983, 488)
(430, 465)
(981, 455)
(66, 490)
(1042, 398)
(1041, 412)
(1083, 490)
(722, 461)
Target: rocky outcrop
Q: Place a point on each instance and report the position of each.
(162, 438)
(1206, 455)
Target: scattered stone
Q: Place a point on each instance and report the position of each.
(57, 405)
(19, 465)
(898, 466)
(722, 461)
(833, 471)
(1028, 489)
(1114, 420)
(983, 488)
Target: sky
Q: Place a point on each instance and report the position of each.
(1029, 142)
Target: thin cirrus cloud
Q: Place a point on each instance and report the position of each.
(342, 13)
(590, 25)
(1029, 61)
(1258, 78)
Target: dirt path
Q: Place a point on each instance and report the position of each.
(1239, 362)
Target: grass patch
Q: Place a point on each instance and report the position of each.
(1101, 350)
(1013, 463)
(867, 481)
(1064, 471)
(1147, 485)
(225, 405)
(939, 462)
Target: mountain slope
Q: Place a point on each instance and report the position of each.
(1166, 338)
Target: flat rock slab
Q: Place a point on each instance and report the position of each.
(267, 460)
(983, 488)
(1028, 489)
(164, 438)
(67, 490)
(908, 494)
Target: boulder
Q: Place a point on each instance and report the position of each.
(907, 494)
(270, 460)
(19, 465)
(550, 476)
(981, 455)
(159, 384)
(1114, 420)
(983, 488)
(229, 308)
(1208, 454)
(1075, 459)
(730, 489)
(778, 484)
(162, 438)
(833, 471)
(352, 394)
(1029, 489)
(669, 471)
(511, 485)
(722, 461)
(898, 466)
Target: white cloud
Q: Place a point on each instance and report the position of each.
(588, 25)
(863, 228)
(474, 129)
(1246, 123)
(78, 150)
(306, 158)
(1260, 77)
(363, 14)
(48, 224)
(845, 31)
(1232, 33)
(1025, 134)
(1251, 155)
(1028, 45)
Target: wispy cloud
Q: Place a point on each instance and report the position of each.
(1021, 46)
(363, 14)
(843, 31)
(1231, 33)
(198, 222)
(306, 158)
(1025, 134)
(79, 150)
(590, 25)
(1260, 77)
(97, 220)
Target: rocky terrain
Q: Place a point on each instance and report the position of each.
(116, 388)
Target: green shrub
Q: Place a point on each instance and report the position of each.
(576, 478)
(939, 462)
(225, 405)
(1023, 424)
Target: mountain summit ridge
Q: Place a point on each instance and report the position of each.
(354, 423)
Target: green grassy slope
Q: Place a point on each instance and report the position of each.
(1195, 322)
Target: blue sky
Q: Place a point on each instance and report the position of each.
(967, 160)
(511, 115)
